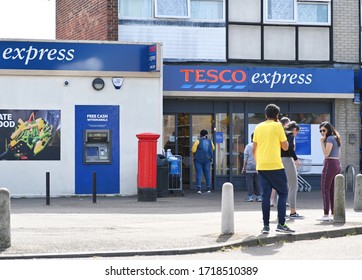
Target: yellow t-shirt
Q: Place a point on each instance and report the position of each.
(268, 135)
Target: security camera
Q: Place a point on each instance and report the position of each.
(66, 83)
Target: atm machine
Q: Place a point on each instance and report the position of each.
(97, 147)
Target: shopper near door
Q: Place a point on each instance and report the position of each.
(291, 163)
(202, 150)
(269, 137)
(273, 198)
(251, 176)
(331, 144)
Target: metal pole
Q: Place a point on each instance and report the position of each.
(353, 176)
(94, 187)
(47, 188)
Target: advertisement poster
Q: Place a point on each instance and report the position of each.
(303, 140)
(30, 134)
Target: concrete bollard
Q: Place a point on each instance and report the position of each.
(357, 203)
(5, 240)
(227, 209)
(339, 200)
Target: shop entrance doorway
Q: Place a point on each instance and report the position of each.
(179, 133)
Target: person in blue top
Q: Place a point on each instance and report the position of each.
(202, 150)
(331, 144)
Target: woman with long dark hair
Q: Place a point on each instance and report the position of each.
(331, 143)
(291, 163)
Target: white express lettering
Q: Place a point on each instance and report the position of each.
(275, 78)
(31, 54)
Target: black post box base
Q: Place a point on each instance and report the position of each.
(147, 194)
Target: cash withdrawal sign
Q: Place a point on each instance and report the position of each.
(97, 148)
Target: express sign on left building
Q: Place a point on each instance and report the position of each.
(55, 55)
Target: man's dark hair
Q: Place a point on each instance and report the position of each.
(203, 133)
(284, 120)
(272, 111)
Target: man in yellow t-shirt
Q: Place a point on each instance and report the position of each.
(269, 138)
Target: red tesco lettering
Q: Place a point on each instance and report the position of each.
(213, 76)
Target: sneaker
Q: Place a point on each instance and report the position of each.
(284, 228)
(265, 230)
(258, 198)
(296, 216)
(198, 191)
(325, 218)
(208, 191)
(249, 199)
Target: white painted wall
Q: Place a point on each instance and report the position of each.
(313, 43)
(140, 101)
(244, 10)
(244, 42)
(180, 42)
(279, 43)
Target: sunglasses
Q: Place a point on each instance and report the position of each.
(322, 130)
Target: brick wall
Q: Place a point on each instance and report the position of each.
(87, 20)
(348, 122)
(346, 31)
(346, 34)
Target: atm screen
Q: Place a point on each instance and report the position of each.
(96, 137)
(91, 151)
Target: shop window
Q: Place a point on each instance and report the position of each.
(238, 146)
(169, 134)
(221, 144)
(298, 11)
(308, 142)
(310, 118)
(227, 150)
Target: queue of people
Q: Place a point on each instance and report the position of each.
(277, 172)
(270, 166)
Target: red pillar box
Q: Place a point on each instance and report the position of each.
(147, 166)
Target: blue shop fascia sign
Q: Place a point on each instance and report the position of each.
(77, 56)
(257, 79)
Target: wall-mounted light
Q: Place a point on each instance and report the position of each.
(98, 84)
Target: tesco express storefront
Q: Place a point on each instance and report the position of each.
(229, 101)
(72, 109)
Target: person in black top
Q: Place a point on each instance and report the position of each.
(291, 163)
(273, 198)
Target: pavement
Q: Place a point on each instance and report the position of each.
(76, 227)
